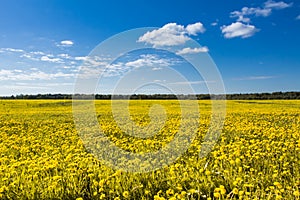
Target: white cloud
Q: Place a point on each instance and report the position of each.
(150, 61)
(37, 53)
(298, 17)
(277, 5)
(245, 11)
(214, 24)
(189, 50)
(157, 68)
(19, 75)
(11, 50)
(81, 58)
(171, 34)
(191, 82)
(194, 29)
(64, 55)
(65, 43)
(262, 12)
(40, 86)
(238, 29)
(54, 60)
(254, 78)
(33, 55)
(91, 61)
(116, 69)
(27, 55)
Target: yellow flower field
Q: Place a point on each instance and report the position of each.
(256, 157)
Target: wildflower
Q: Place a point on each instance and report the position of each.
(296, 193)
(126, 194)
(217, 194)
(170, 192)
(277, 184)
(192, 191)
(235, 191)
(102, 196)
(223, 190)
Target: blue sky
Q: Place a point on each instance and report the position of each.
(254, 44)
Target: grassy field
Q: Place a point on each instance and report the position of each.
(256, 157)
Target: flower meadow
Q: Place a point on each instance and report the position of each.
(257, 155)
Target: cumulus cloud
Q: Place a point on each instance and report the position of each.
(194, 29)
(66, 43)
(238, 29)
(189, 50)
(171, 34)
(298, 17)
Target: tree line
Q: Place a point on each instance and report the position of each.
(237, 96)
